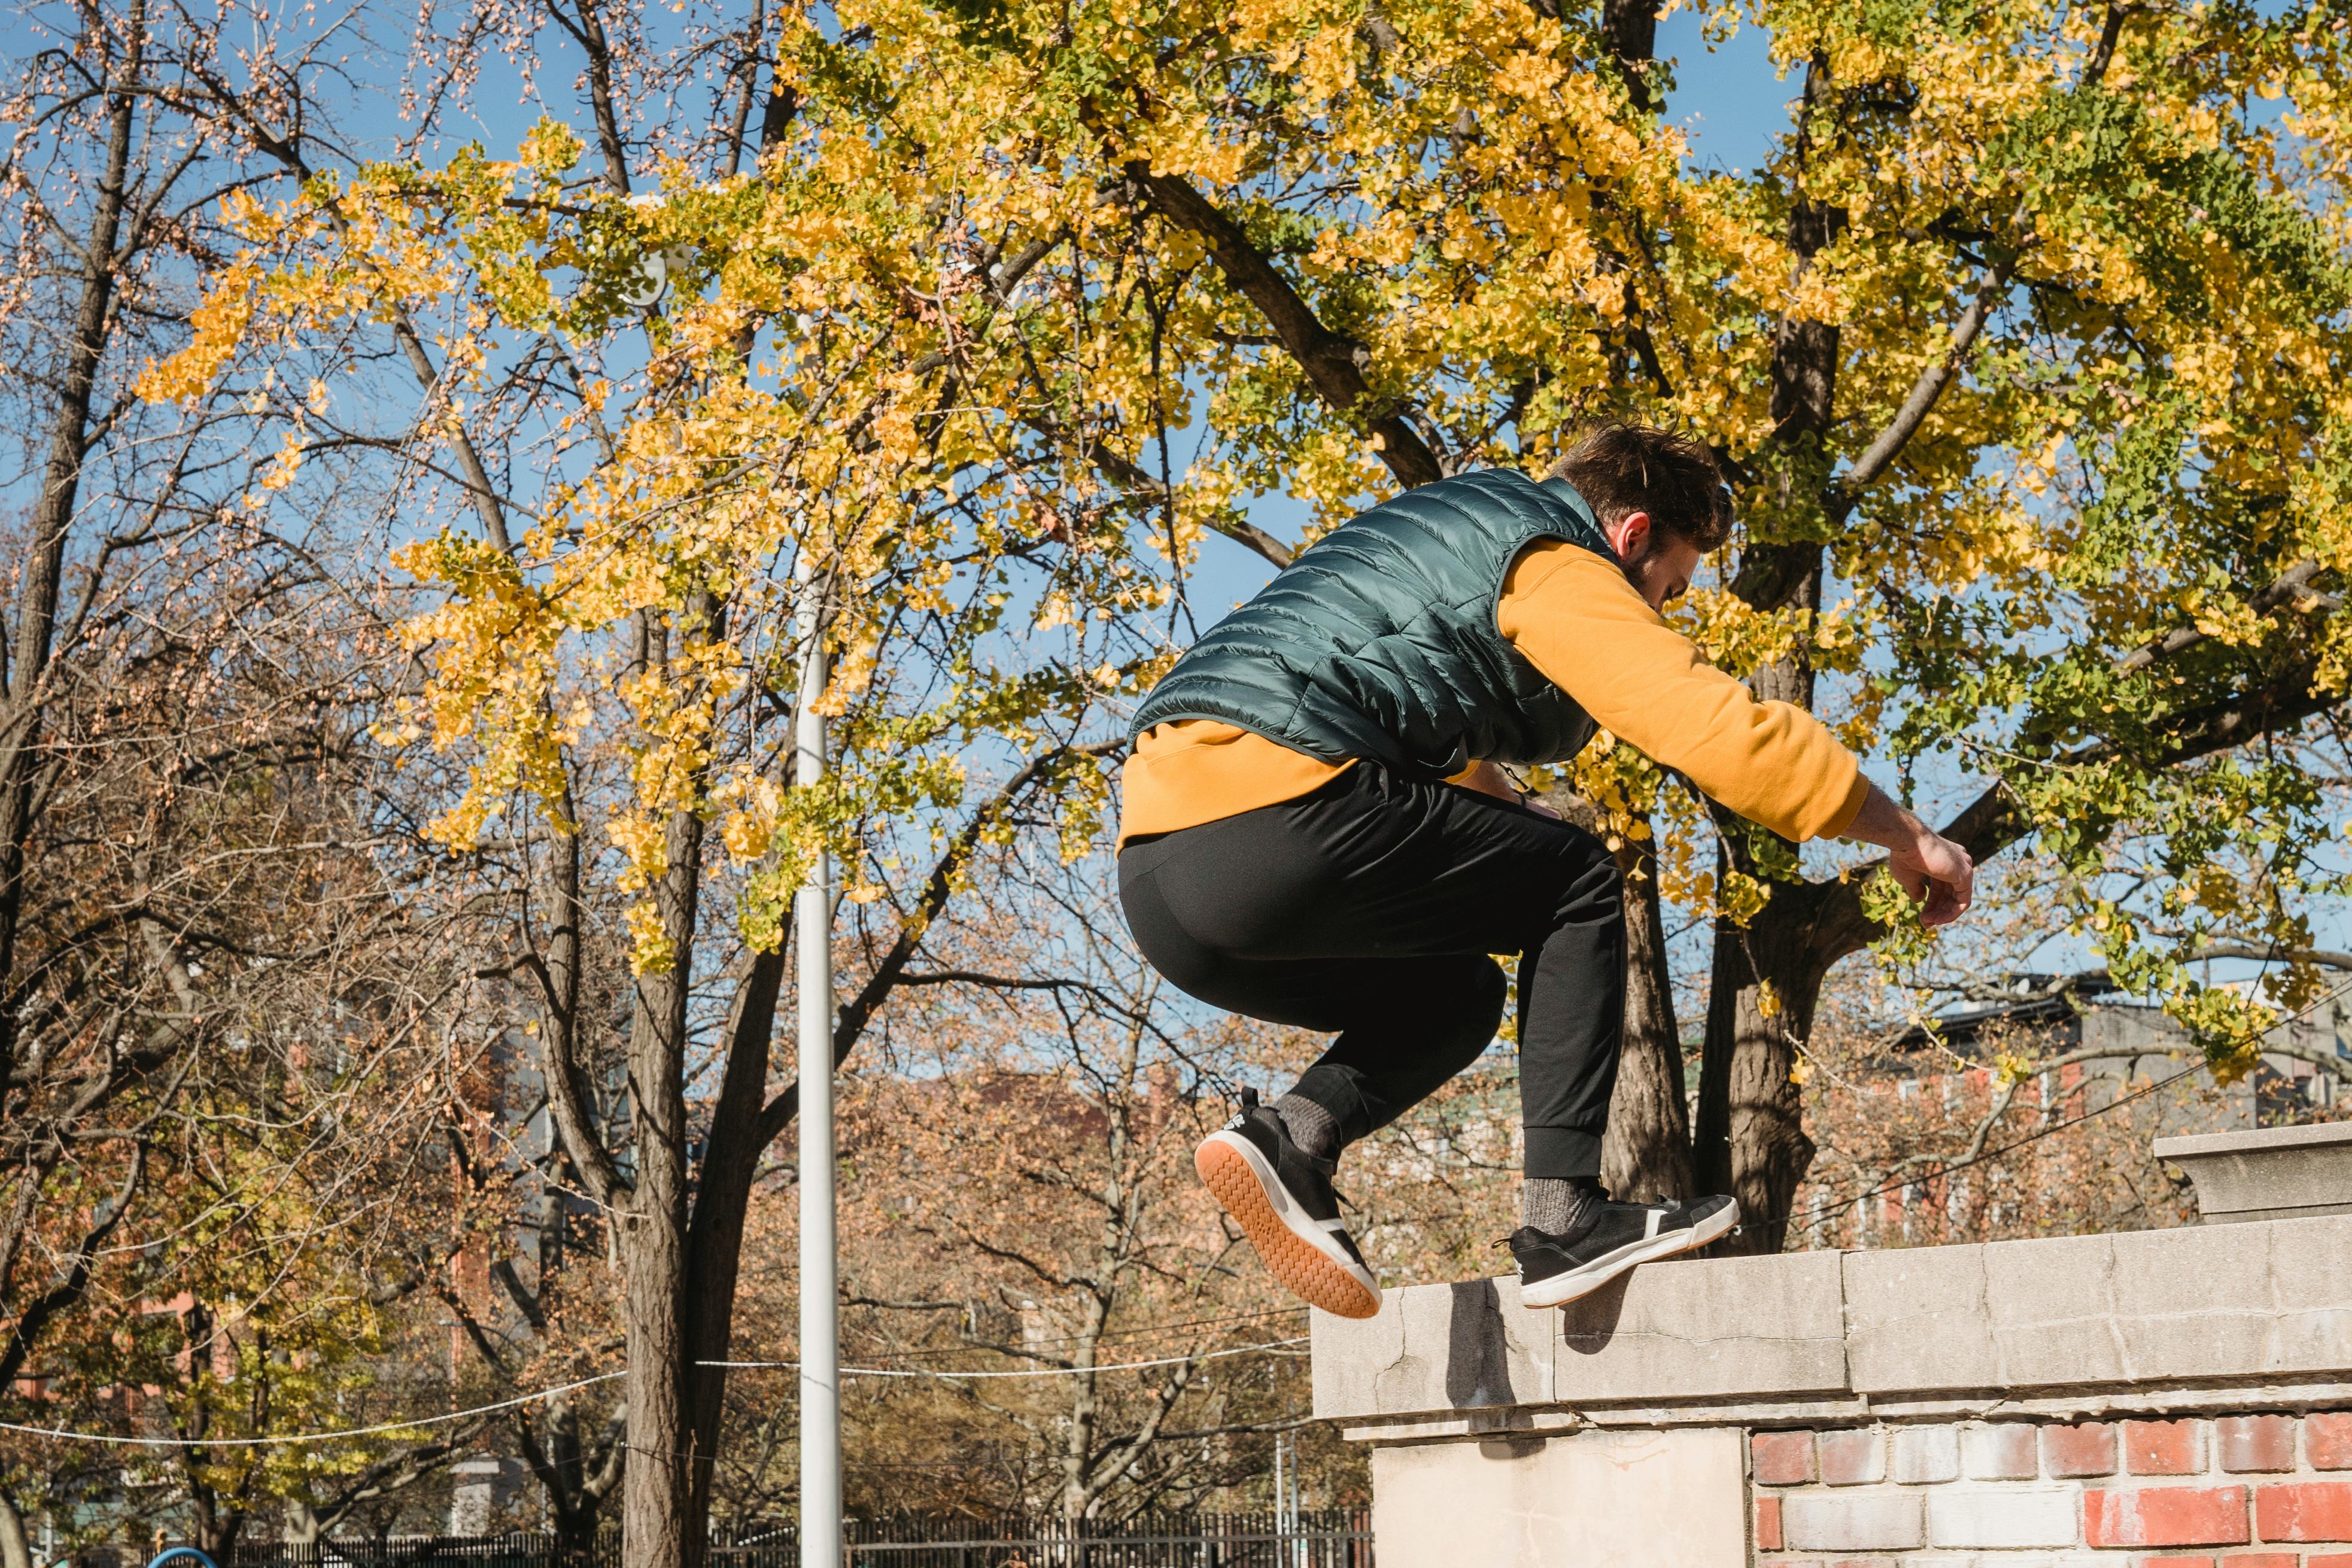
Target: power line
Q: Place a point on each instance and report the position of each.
(1140, 1330)
(344, 1434)
(286, 1439)
(947, 1376)
(1029, 1372)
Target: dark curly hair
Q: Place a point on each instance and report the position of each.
(1621, 468)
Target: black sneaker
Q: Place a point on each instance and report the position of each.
(1281, 1196)
(1556, 1270)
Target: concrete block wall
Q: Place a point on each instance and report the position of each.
(2270, 1489)
(2165, 1399)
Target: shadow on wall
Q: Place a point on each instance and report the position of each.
(1479, 1345)
(1587, 1325)
(1478, 1351)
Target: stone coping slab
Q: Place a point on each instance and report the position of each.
(2261, 1303)
(2303, 1135)
(2270, 1172)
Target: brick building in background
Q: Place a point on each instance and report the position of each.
(1883, 1119)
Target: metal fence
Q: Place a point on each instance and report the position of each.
(1329, 1537)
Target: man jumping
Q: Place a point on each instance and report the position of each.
(1317, 832)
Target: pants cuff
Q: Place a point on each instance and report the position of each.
(1336, 1090)
(1562, 1154)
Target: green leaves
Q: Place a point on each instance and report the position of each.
(2098, 156)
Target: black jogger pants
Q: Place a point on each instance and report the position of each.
(1369, 909)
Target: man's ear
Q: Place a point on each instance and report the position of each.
(1629, 535)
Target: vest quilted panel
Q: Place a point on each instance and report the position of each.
(1379, 641)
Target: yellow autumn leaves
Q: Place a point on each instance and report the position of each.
(935, 346)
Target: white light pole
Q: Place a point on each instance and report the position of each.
(820, 1294)
(1281, 1453)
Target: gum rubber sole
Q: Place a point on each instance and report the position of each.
(1300, 1265)
(1578, 1283)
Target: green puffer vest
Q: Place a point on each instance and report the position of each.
(1381, 641)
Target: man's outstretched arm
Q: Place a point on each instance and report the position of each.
(1574, 616)
(1928, 865)
(1586, 629)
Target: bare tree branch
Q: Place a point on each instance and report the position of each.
(1334, 364)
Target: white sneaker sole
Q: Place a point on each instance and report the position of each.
(1296, 1248)
(1584, 1280)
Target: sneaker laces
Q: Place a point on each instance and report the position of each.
(1251, 1103)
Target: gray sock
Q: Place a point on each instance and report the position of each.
(1557, 1207)
(1310, 1126)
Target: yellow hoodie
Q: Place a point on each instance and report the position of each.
(1574, 616)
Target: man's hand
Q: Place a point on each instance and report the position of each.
(1935, 868)
(1928, 866)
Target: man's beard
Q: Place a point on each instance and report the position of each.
(1640, 568)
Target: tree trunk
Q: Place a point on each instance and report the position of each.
(1631, 26)
(576, 1480)
(655, 1493)
(70, 440)
(16, 1546)
(682, 1271)
(1078, 1438)
(657, 1523)
(218, 1524)
(1750, 1137)
(1647, 1151)
(722, 1198)
(1751, 1142)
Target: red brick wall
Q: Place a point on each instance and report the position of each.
(2231, 1492)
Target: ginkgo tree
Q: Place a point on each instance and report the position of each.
(2024, 349)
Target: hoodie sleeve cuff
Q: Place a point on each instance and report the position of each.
(1850, 809)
